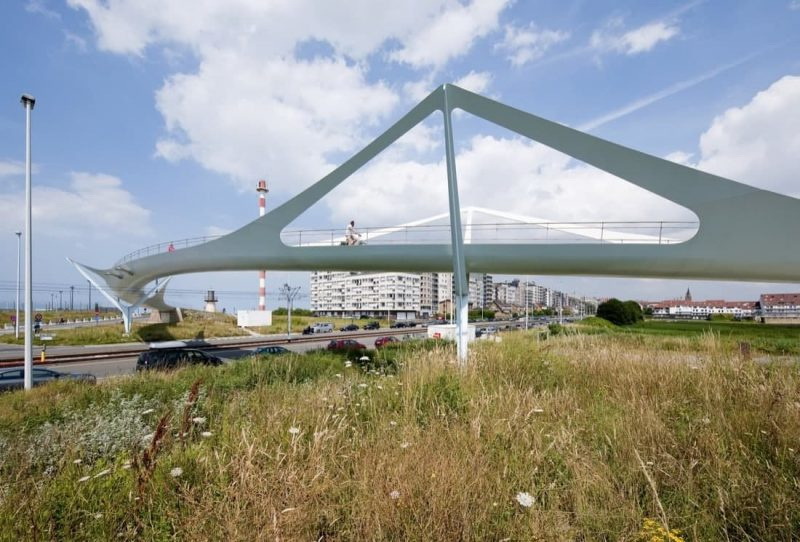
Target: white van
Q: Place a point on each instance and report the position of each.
(322, 327)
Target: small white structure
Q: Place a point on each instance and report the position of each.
(253, 318)
(211, 301)
(448, 332)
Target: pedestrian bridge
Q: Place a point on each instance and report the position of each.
(742, 233)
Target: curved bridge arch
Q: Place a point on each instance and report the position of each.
(745, 233)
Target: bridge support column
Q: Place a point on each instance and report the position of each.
(460, 280)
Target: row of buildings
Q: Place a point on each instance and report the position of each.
(774, 308)
(407, 296)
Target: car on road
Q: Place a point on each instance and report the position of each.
(345, 345)
(349, 327)
(308, 330)
(171, 358)
(13, 379)
(372, 325)
(397, 325)
(322, 327)
(272, 351)
(383, 341)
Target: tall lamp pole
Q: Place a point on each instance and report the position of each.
(289, 293)
(16, 322)
(28, 102)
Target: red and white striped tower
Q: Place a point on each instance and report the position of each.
(262, 275)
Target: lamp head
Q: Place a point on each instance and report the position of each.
(28, 99)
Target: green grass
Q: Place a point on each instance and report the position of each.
(280, 321)
(195, 325)
(56, 315)
(604, 431)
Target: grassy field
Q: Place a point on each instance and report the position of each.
(607, 436)
(280, 324)
(195, 325)
(55, 315)
(772, 338)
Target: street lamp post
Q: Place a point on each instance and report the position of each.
(89, 308)
(16, 322)
(28, 102)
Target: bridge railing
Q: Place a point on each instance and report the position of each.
(602, 232)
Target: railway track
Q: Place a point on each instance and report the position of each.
(233, 345)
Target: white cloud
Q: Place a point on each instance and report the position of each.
(524, 45)
(255, 105)
(11, 167)
(758, 143)
(38, 6)
(794, 4)
(280, 117)
(477, 82)
(451, 34)
(632, 42)
(95, 206)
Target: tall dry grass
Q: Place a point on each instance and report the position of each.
(614, 437)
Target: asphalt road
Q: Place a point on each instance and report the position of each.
(124, 366)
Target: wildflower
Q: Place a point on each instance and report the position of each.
(102, 473)
(294, 430)
(524, 499)
(379, 387)
(84, 478)
(148, 411)
(177, 471)
(364, 358)
(337, 375)
(538, 410)
(98, 515)
(206, 434)
(394, 494)
(348, 363)
(77, 461)
(199, 420)
(393, 423)
(362, 385)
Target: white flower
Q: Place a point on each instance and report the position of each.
(84, 478)
(393, 423)
(337, 375)
(379, 387)
(294, 430)
(177, 471)
(98, 515)
(394, 494)
(364, 358)
(348, 363)
(362, 385)
(102, 473)
(538, 410)
(199, 420)
(148, 411)
(525, 499)
(77, 461)
(206, 434)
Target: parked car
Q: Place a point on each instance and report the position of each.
(271, 351)
(170, 358)
(383, 341)
(349, 327)
(322, 327)
(308, 330)
(345, 345)
(397, 324)
(372, 325)
(13, 379)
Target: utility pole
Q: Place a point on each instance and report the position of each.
(289, 293)
(89, 308)
(28, 102)
(71, 297)
(61, 300)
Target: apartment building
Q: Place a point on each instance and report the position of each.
(351, 295)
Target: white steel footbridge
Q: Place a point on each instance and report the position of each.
(743, 233)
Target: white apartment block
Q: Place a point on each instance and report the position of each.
(347, 294)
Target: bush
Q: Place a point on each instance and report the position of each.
(619, 312)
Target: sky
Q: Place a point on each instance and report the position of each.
(155, 120)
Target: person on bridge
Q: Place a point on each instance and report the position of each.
(352, 236)
(171, 248)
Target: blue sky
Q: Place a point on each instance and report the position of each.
(155, 120)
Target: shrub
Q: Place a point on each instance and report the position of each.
(619, 312)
